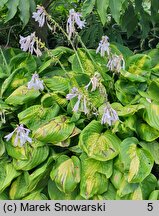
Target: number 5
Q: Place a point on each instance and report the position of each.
(150, 206)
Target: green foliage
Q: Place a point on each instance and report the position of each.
(73, 153)
(23, 7)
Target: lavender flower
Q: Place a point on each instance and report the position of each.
(81, 102)
(40, 15)
(74, 18)
(21, 135)
(104, 46)
(85, 109)
(116, 63)
(95, 82)
(30, 43)
(36, 83)
(110, 116)
(74, 93)
(27, 43)
(76, 106)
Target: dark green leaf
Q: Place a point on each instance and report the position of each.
(24, 8)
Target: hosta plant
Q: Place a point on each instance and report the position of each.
(78, 123)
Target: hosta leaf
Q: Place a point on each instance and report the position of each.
(35, 116)
(18, 188)
(98, 145)
(59, 51)
(154, 195)
(36, 195)
(57, 130)
(153, 90)
(137, 194)
(126, 110)
(126, 188)
(7, 174)
(146, 132)
(46, 64)
(23, 60)
(110, 194)
(46, 100)
(56, 194)
(36, 157)
(57, 83)
(138, 162)
(124, 50)
(147, 185)
(151, 113)
(64, 143)
(139, 64)
(4, 196)
(153, 148)
(66, 173)
(93, 179)
(2, 147)
(86, 63)
(26, 183)
(19, 153)
(153, 53)
(96, 98)
(132, 77)
(17, 78)
(126, 197)
(39, 178)
(124, 151)
(126, 91)
(135, 163)
(22, 95)
(116, 178)
(59, 98)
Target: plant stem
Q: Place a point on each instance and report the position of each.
(61, 29)
(83, 45)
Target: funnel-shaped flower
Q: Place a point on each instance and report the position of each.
(21, 135)
(110, 116)
(40, 15)
(74, 18)
(116, 63)
(36, 83)
(30, 43)
(104, 46)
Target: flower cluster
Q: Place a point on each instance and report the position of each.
(116, 63)
(74, 18)
(110, 116)
(94, 81)
(81, 102)
(104, 46)
(21, 135)
(30, 43)
(40, 15)
(36, 83)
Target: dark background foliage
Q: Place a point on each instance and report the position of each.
(134, 23)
